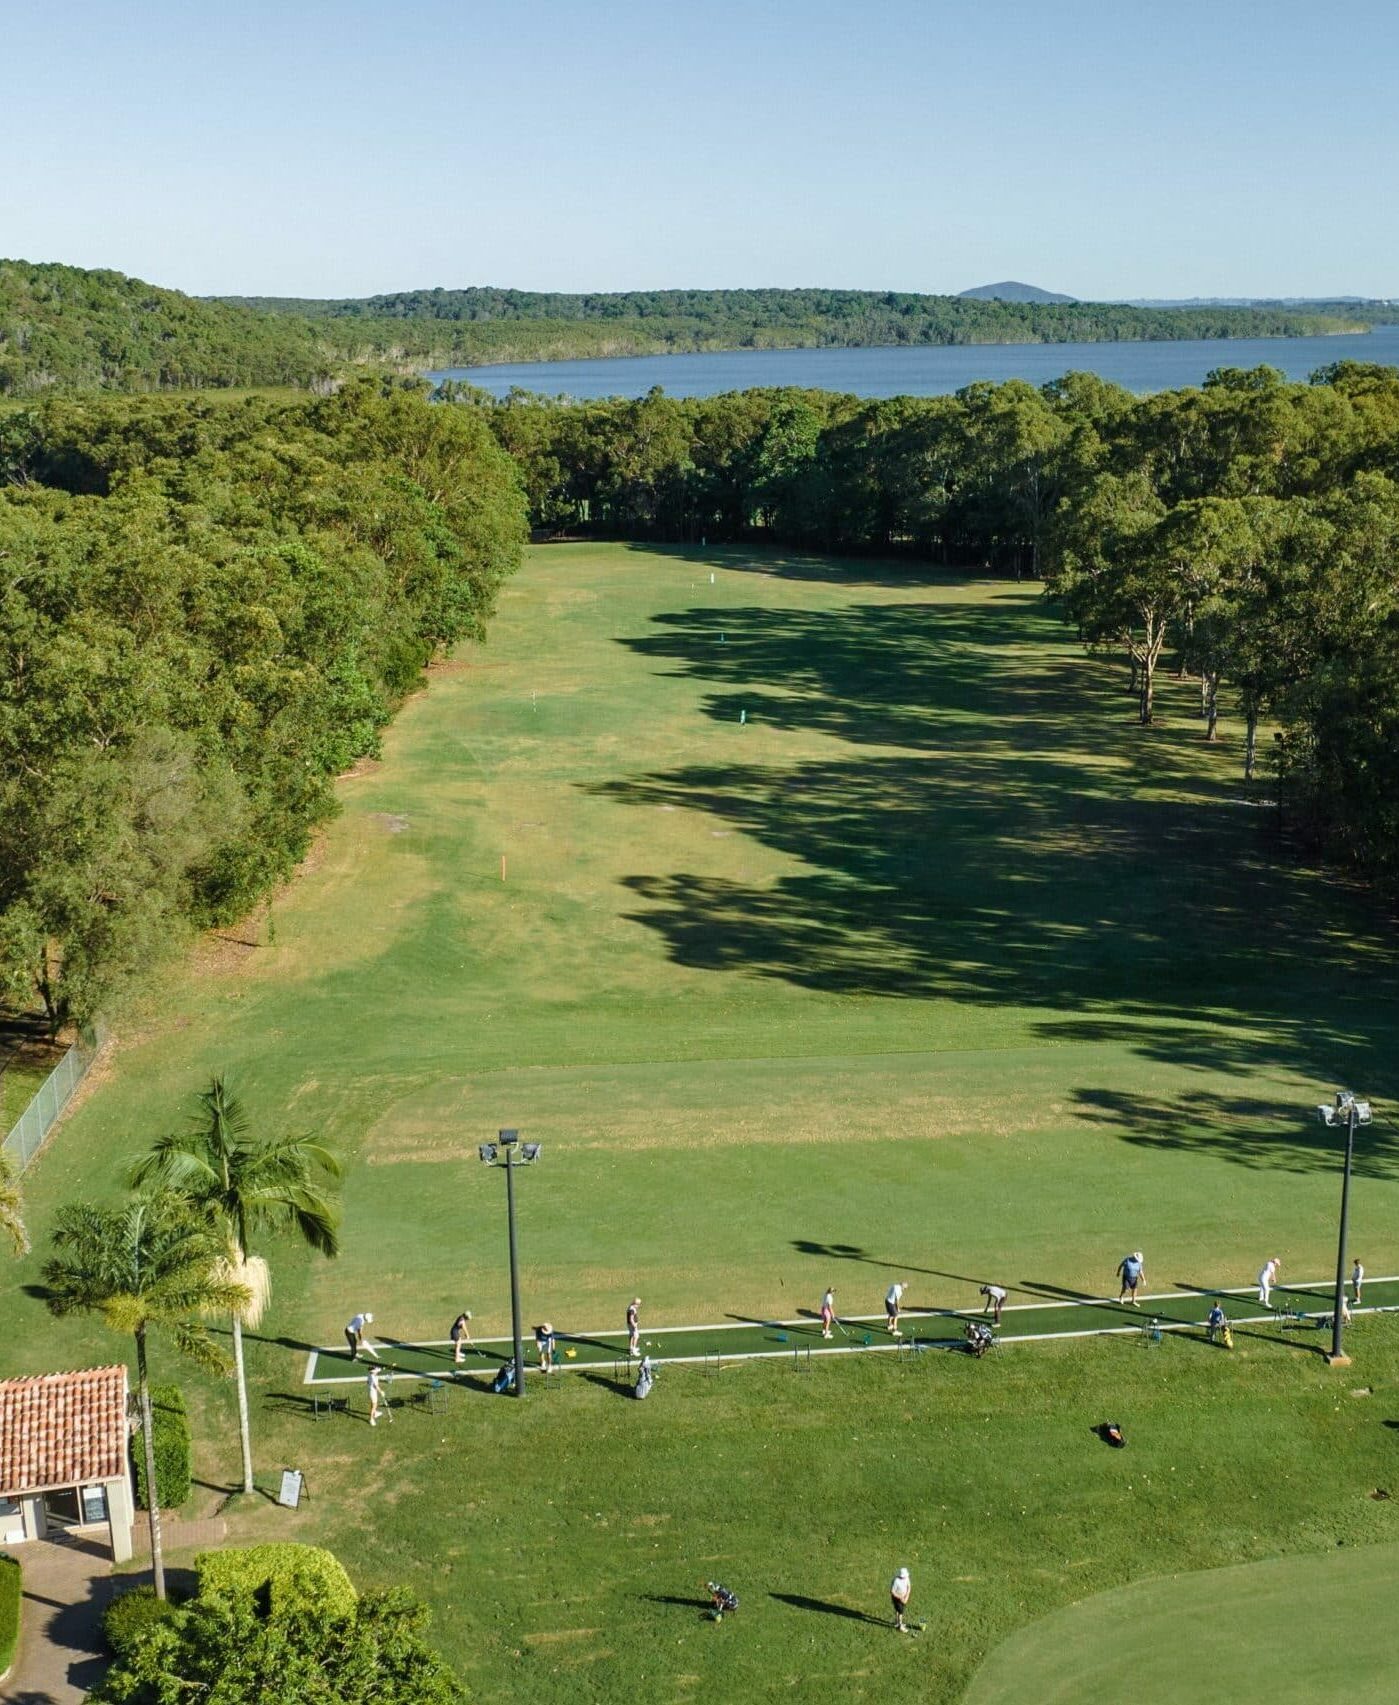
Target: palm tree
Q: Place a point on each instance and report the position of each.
(11, 1208)
(246, 1183)
(151, 1264)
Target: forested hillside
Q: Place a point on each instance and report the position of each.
(1247, 531)
(66, 329)
(463, 327)
(207, 612)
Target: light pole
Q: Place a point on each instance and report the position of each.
(509, 1142)
(1348, 1111)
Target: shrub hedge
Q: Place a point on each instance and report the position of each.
(9, 1610)
(170, 1429)
(281, 1577)
(130, 1616)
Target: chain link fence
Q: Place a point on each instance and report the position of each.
(56, 1091)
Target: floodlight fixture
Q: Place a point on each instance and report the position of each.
(1346, 1112)
(509, 1152)
(1341, 1110)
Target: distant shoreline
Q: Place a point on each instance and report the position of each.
(1138, 365)
(623, 354)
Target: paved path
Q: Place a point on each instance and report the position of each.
(67, 1585)
(178, 1535)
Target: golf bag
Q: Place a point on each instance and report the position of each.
(721, 1600)
(980, 1338)
(645, 1379)
(505, 1379)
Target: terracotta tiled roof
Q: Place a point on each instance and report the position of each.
(62, 1429)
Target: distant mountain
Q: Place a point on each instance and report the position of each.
(1010, 291)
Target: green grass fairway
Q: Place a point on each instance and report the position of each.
(936, 968)
(1291, 1631)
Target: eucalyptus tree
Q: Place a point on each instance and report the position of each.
(1114, 576)
(149, 1266)
(1213, 547)
(244, 1183)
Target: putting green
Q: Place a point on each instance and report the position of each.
(1308, 1629)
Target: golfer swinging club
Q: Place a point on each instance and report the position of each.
(1267, 1278)
(634, 1327)
(358, 1339)
(461, 1334)
(892, 1299)
(828, 1310)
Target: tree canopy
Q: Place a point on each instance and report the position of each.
(208, 611)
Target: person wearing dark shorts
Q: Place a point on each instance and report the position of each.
(358, 1339)
(995, 1298)
(899, 1590)
(460, 1334)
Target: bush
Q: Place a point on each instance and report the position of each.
(280, 1579)
(130, 1617)
(170, 1427)
(9, 1610)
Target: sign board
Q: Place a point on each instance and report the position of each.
(290, 1494)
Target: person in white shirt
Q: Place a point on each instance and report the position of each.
(375, 1396)
(358, 1339)
(995, 1298)
(1357, 1279)
(634, 1327)
(1267, 1279)
(828, 1311)
(893, 1297)
(899, 1589)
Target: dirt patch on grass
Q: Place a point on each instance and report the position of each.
(361, 767)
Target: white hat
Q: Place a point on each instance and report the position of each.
(368, 1319)
(902, 1575)
(1139, 1256)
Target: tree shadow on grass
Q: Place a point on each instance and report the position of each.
(828, 1607)
(987, 829)
(1244, 1129)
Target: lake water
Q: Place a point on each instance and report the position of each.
(929, 371)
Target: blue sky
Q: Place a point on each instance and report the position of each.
(307, 148)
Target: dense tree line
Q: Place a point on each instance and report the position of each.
(207, 611)
(824, 316)
(484, 325)
(65, 329)
(1249, 529)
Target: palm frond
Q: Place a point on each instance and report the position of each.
(177, 1160)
